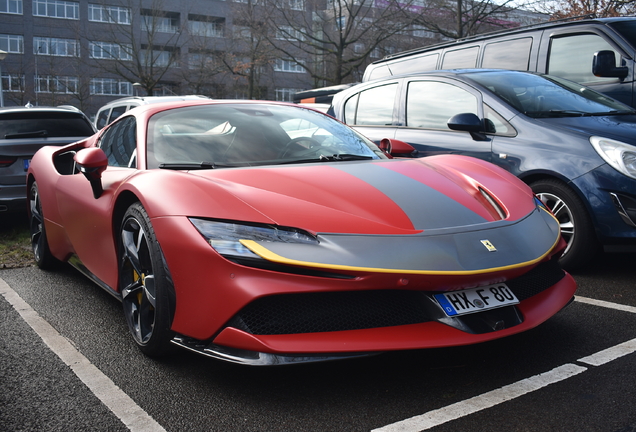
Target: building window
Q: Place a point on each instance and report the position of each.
(108, 14)
(56, 47)
(289, 33)
(288, 66)
(110, 87)
(11, 6)
(56, 9)
(109, 51)
(297, 4)
(163, 22)
(13, 44)
(12, 82)
(286, 94)
(200, 60)
(158, 58)
(205, 26)
(56, 84)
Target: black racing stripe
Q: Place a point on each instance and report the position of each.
(426, 207)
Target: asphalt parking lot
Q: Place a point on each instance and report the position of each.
(68, 364)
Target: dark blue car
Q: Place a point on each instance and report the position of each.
(575, 147)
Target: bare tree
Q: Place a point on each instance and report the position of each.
(143, 49)
(333, 39)
(249, 52)
(561, 9)
(456, 19)
(205, 53)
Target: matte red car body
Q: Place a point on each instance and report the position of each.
(210, 289)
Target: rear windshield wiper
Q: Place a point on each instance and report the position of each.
(195, 165)
(32, 134)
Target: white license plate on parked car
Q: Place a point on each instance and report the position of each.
(476, 299)
(27, 162)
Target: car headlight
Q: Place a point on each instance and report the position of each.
(225, 237)
(619, 155)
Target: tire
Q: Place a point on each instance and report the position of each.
(145, 284)
(575, 222)
(39, 242)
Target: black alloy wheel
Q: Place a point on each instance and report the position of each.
(39, 243)
(145, 285)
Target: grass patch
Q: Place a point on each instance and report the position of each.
(15, 242)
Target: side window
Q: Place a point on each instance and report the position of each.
(102, 118)
(119, 143)
(497, 124)
(116, 112)
(571, 57)
(350, 109)
(511, 54)
(417, 64)
(461, 58)
(375, 106)
(430, 104)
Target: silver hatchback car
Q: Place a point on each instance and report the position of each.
(23, 130)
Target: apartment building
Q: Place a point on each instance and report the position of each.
(87, 53)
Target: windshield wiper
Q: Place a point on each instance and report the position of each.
(327, 158)
(555, 113)
(194, 165)
(614, 112)
(32, 134)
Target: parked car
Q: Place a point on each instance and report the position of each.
(112, 110)
(599, 53)
(575, 147)
(268, 233)
(23, 130)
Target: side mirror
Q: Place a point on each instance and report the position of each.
(392, 147)
(468, 122)
(92, 162)
(604, 65)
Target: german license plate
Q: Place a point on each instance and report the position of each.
(26, 164)
(476, 299)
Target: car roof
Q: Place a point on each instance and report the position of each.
(149, 110)
(143, 100)
(31, 108)
(566, 22)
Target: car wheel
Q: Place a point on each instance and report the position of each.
(145, 284)
(39, 243)
(576, 225)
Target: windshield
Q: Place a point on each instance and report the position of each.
(548, 96)
(627, 29)
(227, 135)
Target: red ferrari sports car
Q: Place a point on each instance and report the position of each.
(268, 233)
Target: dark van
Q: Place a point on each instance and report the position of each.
(598, 53)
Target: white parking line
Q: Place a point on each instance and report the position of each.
(520, 388)
(135, 418)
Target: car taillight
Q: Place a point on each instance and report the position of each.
(6, 161)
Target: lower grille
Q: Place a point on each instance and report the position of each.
(355, 310)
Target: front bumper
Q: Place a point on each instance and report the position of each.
(611, 199)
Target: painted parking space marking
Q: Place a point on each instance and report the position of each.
(120, 404)
(503, 394)
(484, 401)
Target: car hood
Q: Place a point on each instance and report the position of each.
(403, 196)
(622, 128)
(420, 215)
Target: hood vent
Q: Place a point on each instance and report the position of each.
(493, 206)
